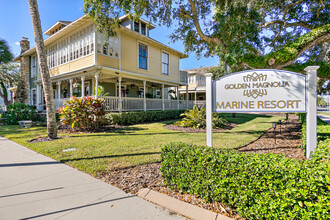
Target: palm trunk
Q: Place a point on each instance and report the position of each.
(46, 82)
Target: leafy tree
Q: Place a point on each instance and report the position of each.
(9, 77)
(45, 76)
(5, 54)
(243, 33)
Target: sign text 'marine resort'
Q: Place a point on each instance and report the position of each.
(260, 91)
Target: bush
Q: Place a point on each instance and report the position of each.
(256, 186)
(196, 118)
(82, 113)
(129, 118)
(18, 112)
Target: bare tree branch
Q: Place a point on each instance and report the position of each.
(200, 32)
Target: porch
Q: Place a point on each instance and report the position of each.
(120, 93)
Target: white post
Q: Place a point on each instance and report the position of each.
(187, 96)
(178, 96)
(59, 94)
(209, 109)
(38, 96)
(82, 86)
(144, 95)
(119, 94)
(163, 97)
(311, 117)
(71, 88)
(96, 85)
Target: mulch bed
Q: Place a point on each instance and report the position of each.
(173, 127)
(131, 180)
(44, 139)
(106, 128)
(288, 140)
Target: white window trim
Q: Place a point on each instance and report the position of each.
(161, 62)
(138, 66)
(70, 45)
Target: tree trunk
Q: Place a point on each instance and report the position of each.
(46, 82)
(324, 53)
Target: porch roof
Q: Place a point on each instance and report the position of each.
(116, 72)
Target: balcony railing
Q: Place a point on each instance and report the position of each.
(201, 83)
(113, 104)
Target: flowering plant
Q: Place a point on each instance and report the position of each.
(76, 85)
(82, 113)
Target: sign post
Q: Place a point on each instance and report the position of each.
(311, 117)
(209, 101)
(267, 90)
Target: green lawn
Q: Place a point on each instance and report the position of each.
(323, 113)
(133, 145)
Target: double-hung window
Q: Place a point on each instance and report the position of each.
(34, 66)
(165, 63)
(143, 56)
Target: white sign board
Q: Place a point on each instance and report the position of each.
(260, 91)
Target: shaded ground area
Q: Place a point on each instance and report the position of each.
(288, 141)
(173, 127)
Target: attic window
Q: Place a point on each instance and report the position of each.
(136, 26)
(143, 28)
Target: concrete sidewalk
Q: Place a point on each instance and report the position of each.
(324, 118)
(33, 186)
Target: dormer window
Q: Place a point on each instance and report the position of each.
(136, 26)
(143, 29)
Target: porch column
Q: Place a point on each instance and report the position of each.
(119, 95)
(96, 85)
(187, 96)
(82, 86)
(195, 97)
(163, 97)
(38, 96)
(144, 96)
(59, 94)
(71, 89)
(178, 96)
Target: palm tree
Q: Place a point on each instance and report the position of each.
(46, 82)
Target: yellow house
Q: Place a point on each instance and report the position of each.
(134, 70)
(196, 86)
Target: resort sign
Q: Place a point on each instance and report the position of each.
(264, 91)
(260, 91)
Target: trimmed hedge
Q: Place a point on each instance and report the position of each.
(18, 112)
(130, 118)
(256, 186)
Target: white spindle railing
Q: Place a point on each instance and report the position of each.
(111, 104)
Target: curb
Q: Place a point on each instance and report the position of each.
(180, 207)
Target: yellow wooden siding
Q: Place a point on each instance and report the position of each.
(190, 85)
(129, 59)
(73, 65)
(107, 61)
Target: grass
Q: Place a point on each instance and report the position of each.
(133, 145)
(324, 113)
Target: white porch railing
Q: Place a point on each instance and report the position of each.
(136, 104)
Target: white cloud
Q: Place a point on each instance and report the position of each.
(17, 43)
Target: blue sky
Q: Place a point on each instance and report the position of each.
(15, 23)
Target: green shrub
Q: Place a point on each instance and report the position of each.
(129, 118)
(256, 186)
(196, 118)
(18, 111)
(82, 113)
